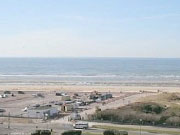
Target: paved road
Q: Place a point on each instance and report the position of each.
(26, 129)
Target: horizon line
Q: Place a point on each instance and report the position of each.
(91, 57)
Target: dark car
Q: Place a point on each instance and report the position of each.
(2, 110)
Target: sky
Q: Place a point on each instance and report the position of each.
(90, 28)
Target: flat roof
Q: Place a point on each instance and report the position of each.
(42, 108)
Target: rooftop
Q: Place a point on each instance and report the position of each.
(42, 108)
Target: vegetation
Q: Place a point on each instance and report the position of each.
(115, 132)
(174, 97)
(41, 132)
(150, 130)
(149, 112)
(72, 132)
(91, 133)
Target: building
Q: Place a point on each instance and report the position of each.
(94, 95)
(67, 108)
(106, 96)
(65, 98)
(42, 112)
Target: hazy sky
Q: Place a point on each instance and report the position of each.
(91, 28)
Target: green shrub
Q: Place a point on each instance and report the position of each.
(109, 132)
(41, 132)
(163, 119)
(45, 132)
(37, 132)
(115, 132)
(152, 108)
(72, 132)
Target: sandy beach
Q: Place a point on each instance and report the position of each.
(84, 88)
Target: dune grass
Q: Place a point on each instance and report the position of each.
(160, 110)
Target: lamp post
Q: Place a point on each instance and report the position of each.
(140, 125)
(9, 120)
(37, 119)
(46, 117)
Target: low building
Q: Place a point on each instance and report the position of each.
(106, 96)
(65, 98)
(42, 112)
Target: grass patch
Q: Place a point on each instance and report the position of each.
(137, 129)
(90, 133)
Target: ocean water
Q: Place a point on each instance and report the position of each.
(90, 69)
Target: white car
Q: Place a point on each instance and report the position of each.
(25, 109)
(3, 96)
(98, 100)
(81, 125)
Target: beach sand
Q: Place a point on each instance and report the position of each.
(84, 88)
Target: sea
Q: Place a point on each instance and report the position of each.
(90, 70)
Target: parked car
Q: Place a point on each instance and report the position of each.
(36, 105)
(7, 92)
(3, 96)
(2, 110)
(25, 109)
(21, 92)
